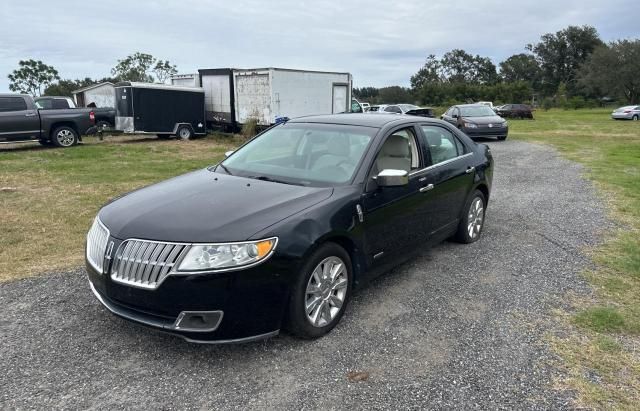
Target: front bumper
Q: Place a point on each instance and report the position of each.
(622, 116)
(234, 307)
(485, 131)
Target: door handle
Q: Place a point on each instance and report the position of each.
(30, 114)
(426, 188)
(470, 170)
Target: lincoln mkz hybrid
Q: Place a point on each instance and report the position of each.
(279, 234)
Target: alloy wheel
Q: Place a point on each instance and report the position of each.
(326, 291)
(476, 217)
(65, 137)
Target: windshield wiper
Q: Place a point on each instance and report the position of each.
(225, 169)
(273, 180)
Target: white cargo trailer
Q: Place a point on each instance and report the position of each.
(233, 96)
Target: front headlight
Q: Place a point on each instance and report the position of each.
(470, 125)
(203, 257)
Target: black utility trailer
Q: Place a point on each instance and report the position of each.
(160, 109)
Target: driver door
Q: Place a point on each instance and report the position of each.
(393, 217)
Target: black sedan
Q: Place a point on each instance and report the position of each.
(477, 120)
(279, 234)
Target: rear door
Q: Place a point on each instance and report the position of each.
(253, 98)
(17, 120)
(448, 178)
(340, 94)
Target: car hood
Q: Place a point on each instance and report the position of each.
(204, 206)
(484, 120)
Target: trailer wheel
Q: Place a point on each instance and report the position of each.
(184, 132)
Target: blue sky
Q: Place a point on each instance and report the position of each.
(380, 43)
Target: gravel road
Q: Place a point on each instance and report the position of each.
(460, 326)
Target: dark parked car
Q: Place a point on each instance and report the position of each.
(22, 121)
(105, 116)
(477, 120)
(515, 111)
(279, 234)
(421, 111)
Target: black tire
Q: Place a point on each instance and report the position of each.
(103, 125)
(184, 132)
(502, 138)
(64, 136)
(463, 236)
(297, 322)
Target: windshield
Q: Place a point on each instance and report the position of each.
(407, 107)
(302, 153)
(476, 111)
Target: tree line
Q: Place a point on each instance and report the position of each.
(37, 78)
(572, 67)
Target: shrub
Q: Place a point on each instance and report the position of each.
(250, 128)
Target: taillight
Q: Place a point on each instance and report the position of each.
(92, 116)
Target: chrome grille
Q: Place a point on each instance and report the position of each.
(97, 239)
(145, 264)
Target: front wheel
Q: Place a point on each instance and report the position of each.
(472, 221)
(502, 138)
(321, 293)
(635, 118)
(64, 136)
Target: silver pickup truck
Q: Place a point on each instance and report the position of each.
(22, 121)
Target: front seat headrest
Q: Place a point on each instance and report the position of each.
(396, 146)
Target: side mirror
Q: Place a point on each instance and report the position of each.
(392, 178)
(228, 153)
(454, 116)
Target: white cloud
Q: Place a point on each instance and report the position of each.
(380, 43)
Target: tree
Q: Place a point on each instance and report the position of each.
(163, 70)
(429, 73)
(31, 77)
(65, 87)
(458, 66)
(521, 67)
(614, 70)
(395, 94)
(135, 67)
(560, 55)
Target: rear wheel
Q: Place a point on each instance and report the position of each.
(321, 293)
(184, 132)
(64, 136)
(472, 221)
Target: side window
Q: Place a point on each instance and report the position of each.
(58, 103)
(398, 152)
(8, 104)
(449, 112)
(393, 109)
(456, 111)
(442, 144)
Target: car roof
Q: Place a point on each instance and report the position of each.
(356, 119)
(470, 105)
(13, 95)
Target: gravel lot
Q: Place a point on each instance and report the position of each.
(457, 327)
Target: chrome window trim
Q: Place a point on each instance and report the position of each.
(431, 167)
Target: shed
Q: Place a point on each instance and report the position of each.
(101, 94)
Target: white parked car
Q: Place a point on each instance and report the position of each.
(626, 113)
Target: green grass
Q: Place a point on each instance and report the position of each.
(605, 333)
(49, 196)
